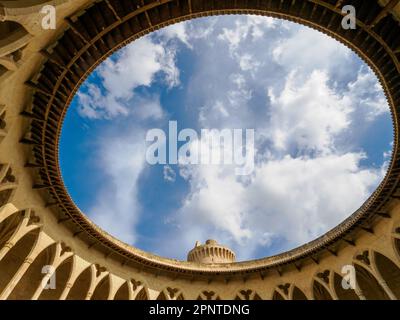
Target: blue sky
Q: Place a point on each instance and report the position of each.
(322, 126)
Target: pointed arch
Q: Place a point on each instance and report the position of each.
(368, 284)
(32, 278)
(297, 294)
(13, 37)
(320, 292)
(342, 293)
(123, 293)
(14, 258)
(162, 296)
(389, 271)
(142, 295)
(8, 226)
(277, 296)
(5, 195)
(61, 277)
(180, 297)
(102, 290)
(81, 285)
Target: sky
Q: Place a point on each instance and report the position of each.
(323, 136)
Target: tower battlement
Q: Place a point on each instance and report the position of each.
(211, 252)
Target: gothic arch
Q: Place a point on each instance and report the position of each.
(13, 37)
(8, 227)
(62, 274)
(102, 290)
(33, 276)
(28, 222)
(123, 293)
(5, 194)
(277, 296)
(320, 292)
(369, 285)
(41, 243)
(389, 271)
(297, 294)
(14, 258)
(81, 285)
(288, 291)
(162, 296)
(142, 294)
(180, 297)
(342, 293)
(170, 293)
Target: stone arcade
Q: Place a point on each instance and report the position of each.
(40, 71)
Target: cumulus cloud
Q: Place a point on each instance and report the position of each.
(291, 199)
(299, 50)
(371, 101)
(136, 65)
(307, 116)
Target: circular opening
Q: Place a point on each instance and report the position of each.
(322, 137)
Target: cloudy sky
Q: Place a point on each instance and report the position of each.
(322, 126)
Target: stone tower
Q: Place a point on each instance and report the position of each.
(211, 252)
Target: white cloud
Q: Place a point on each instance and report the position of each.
(136, 65)
(95, 105)
(177, 31)
(149, 108)
(252, 27)
(291, 199)
(367, 92)
(120, 157)
(309, 50)
(201, 29)
(307, 116)
(120, 152)
(169, 174)
(248, 63)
